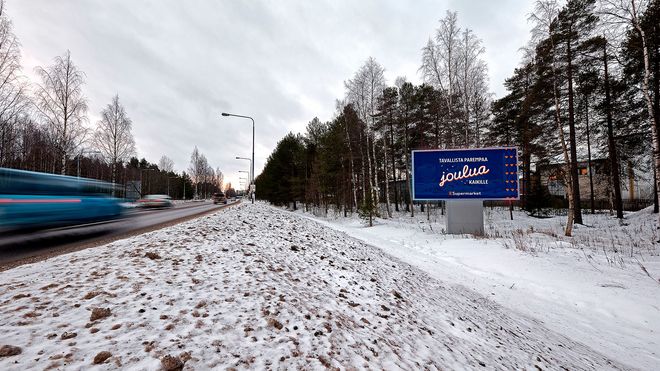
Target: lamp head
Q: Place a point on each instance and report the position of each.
(225, 114)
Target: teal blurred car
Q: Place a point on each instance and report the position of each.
(36, 200)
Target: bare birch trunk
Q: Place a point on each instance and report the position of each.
(649, 102)
(364, 184)
(64, 144)
(377, 190)
(567, 171)
(114, 176)
(370, 169)
(394, 177)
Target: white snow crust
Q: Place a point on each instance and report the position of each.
(590, 287)
(255, 287)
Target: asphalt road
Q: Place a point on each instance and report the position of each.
(17, 249)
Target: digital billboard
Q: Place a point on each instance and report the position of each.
(483, 173)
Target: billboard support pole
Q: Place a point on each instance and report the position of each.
(465, 217)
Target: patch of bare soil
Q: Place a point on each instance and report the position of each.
(101, 357)
(10, 350)
(99, 313)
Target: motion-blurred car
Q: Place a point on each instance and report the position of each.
(219, 198)
(155, 201)
(33, 200)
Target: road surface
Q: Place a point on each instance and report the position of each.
(25, 248)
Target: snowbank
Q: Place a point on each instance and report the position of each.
(255, 287)
(590, 288)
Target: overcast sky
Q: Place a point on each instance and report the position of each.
(177, 65)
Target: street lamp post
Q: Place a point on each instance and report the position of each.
(243, 171)
(251, 162)
(245, 158)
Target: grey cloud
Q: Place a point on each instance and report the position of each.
(176, 65)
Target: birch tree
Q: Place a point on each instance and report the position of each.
(113, 137)
(452, 62)
(628, 13)
(209, 176)
(375, 79)
(62, 106)
(472, 70)
(440, 58)
(166, 164)
(363, 91)
(13, 101)
(356, 96)
(195, 169)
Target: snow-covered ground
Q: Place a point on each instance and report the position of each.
(256, 287)
(601, 287)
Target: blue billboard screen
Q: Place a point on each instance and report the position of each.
(484, 173)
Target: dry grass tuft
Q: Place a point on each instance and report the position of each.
(152, 255)
(171, 363)
(272, 322)
(99, 313)
(10, 350)
(101, 357)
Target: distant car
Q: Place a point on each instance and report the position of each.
(219, 198)
(155, 201)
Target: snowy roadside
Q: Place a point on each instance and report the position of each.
(256, 287)
(582, 290)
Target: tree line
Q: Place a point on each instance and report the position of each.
(586, 86)
(44, 127)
